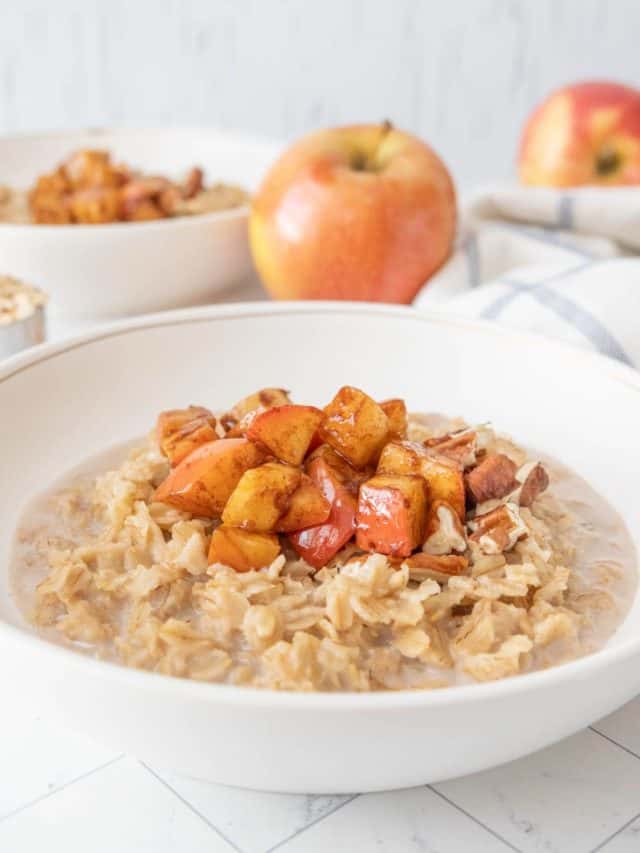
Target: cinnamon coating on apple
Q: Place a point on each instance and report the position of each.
(273, 474)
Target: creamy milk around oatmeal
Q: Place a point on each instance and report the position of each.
(396, 585)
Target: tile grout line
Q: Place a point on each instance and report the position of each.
(313, 823)
(191, 808)
(57, 790)
(614, 742)
(617, 832)
(474, 819)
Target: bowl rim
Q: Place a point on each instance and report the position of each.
(311, 702)
(272, 146)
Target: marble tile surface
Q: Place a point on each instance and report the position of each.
(61, 792)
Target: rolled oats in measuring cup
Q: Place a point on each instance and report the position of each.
(22, 315)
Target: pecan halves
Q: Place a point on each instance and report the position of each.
(461, 447)
(534, 479)
(444, 531)
(498, 530)
(493, 478)
(450, 565)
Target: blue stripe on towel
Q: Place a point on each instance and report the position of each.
(571, 312)
(493, 311)
(582, 320)
(565, 212)
(547, 236)
(473, 260)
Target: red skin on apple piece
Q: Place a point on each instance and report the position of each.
(318, 545)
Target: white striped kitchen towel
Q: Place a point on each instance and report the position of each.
(562, 263)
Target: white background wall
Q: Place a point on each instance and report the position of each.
(462, 73)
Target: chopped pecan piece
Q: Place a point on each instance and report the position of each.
(442, 564)
(499, 530)
(534, 479)
(444, 530)
(494, 477)
(460, 446)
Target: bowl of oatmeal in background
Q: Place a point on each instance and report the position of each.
(354, 738)
(100, 272)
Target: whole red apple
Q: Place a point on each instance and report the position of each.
(364, 212)
(588, 133)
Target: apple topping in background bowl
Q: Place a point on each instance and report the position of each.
(365, 212)
(587, 133)
(89, 188)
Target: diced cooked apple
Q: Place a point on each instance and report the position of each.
(355, 426)
(192, 435)
(173, 419)
(391, 514)
(286, 431)
(254, 403)
(242, 550)
(307, 507)
(401, 457)
(203, 482)
(261, 497)
(396, 412)
(238, 429)
(319, 544)
(266, 398)
(349, 476)
(445, 482)
(180, 431)
(444, 478)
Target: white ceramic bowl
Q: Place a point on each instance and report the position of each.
(71, 400)
(100, 272)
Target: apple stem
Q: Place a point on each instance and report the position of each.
(607, 161)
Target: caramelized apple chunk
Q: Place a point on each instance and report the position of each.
(261, 497)
(396, 412)
(203, 482)
(181, 431)
(320, 543)
(443, 477)
(355, 425)
(349, 476)
(242, 550)
(266, 398)
(286, 431)
(391, 514)
(308, 507)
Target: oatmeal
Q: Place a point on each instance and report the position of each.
(18, 300)
(344, 548)
(89, 189)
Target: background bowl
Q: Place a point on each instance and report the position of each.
(98, 272)
(71, 400)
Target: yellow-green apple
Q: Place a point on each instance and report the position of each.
(588, 133)
(365, 212)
